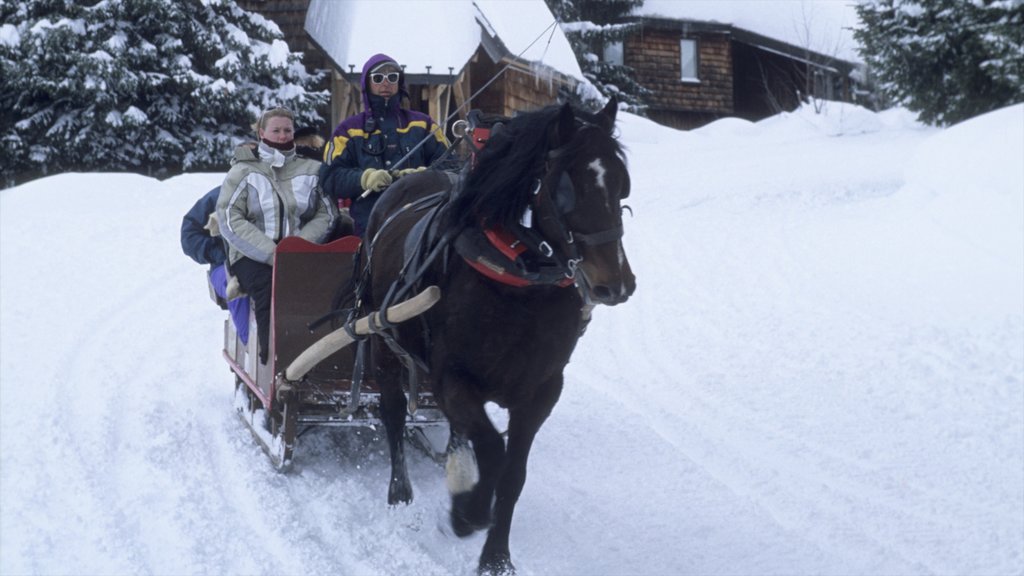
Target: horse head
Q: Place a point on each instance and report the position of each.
(579, 202)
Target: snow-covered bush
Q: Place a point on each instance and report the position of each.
(141, 85)
(949, 60)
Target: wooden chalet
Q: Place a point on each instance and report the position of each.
(450, 49)
(699, 71)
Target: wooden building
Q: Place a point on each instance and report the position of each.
(699, 71)
(452, 50)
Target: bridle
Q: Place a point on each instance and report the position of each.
(556, 207)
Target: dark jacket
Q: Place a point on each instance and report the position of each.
(196, 241)
(378, 137)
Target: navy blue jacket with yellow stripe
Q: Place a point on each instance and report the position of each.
(378, 137)
(353, 148)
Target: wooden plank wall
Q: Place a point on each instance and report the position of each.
(526, 90)
(481, 70)
(515, 90)
(655, 57)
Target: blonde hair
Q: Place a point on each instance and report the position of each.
(272, 113)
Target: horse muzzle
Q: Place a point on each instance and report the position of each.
(608, 289)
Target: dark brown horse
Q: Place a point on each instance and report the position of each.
(522, 247)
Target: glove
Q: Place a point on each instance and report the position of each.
(213, 225)
(375, 180)
(233, 289)
(406, 171)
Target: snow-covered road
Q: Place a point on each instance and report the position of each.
(821, 372)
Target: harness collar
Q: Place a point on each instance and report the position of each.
(501, 256)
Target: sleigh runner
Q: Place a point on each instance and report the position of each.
(310, 378)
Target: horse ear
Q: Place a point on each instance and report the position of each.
(607, 114)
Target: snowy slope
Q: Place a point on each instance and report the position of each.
(821, 372)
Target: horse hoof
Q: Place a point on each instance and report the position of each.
(500, 565)
(461, 527)
(464, 521)
(399, 493)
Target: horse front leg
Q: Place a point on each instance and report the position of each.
(471, 473)
(524, 422)
(476, 453)
(392, 413)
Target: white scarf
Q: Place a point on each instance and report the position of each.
(273, 156)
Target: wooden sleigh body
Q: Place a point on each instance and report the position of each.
(277, 405)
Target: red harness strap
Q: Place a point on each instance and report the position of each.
(511, 248)
(505, 242)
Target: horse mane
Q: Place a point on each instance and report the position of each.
(497, 190)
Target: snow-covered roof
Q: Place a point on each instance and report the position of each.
(823, 26)
(439, 34)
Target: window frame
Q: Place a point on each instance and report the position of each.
(621, 53)
(683, 42)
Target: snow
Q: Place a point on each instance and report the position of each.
(101, 55)
(9, 36)
(136, 116)
(821, 372)
(278, 53)
(824, 26)
(113, 118)
(229, 61)
(117, 42)
(526, 29)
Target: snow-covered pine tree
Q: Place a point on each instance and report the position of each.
(948, 60)
(590, 26)
(141, 85)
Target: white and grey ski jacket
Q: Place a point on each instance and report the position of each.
(270, 196)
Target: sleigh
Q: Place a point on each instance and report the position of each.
(312, 377)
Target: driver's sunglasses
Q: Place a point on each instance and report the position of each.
(379, 78)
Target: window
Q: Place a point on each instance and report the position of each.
(613, 53)
(688, 60)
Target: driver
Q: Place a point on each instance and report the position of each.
(361, 160)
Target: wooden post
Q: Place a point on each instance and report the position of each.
(438, 102)
(461, 91)
(342, 105)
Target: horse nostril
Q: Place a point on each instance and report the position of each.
(602, 293)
